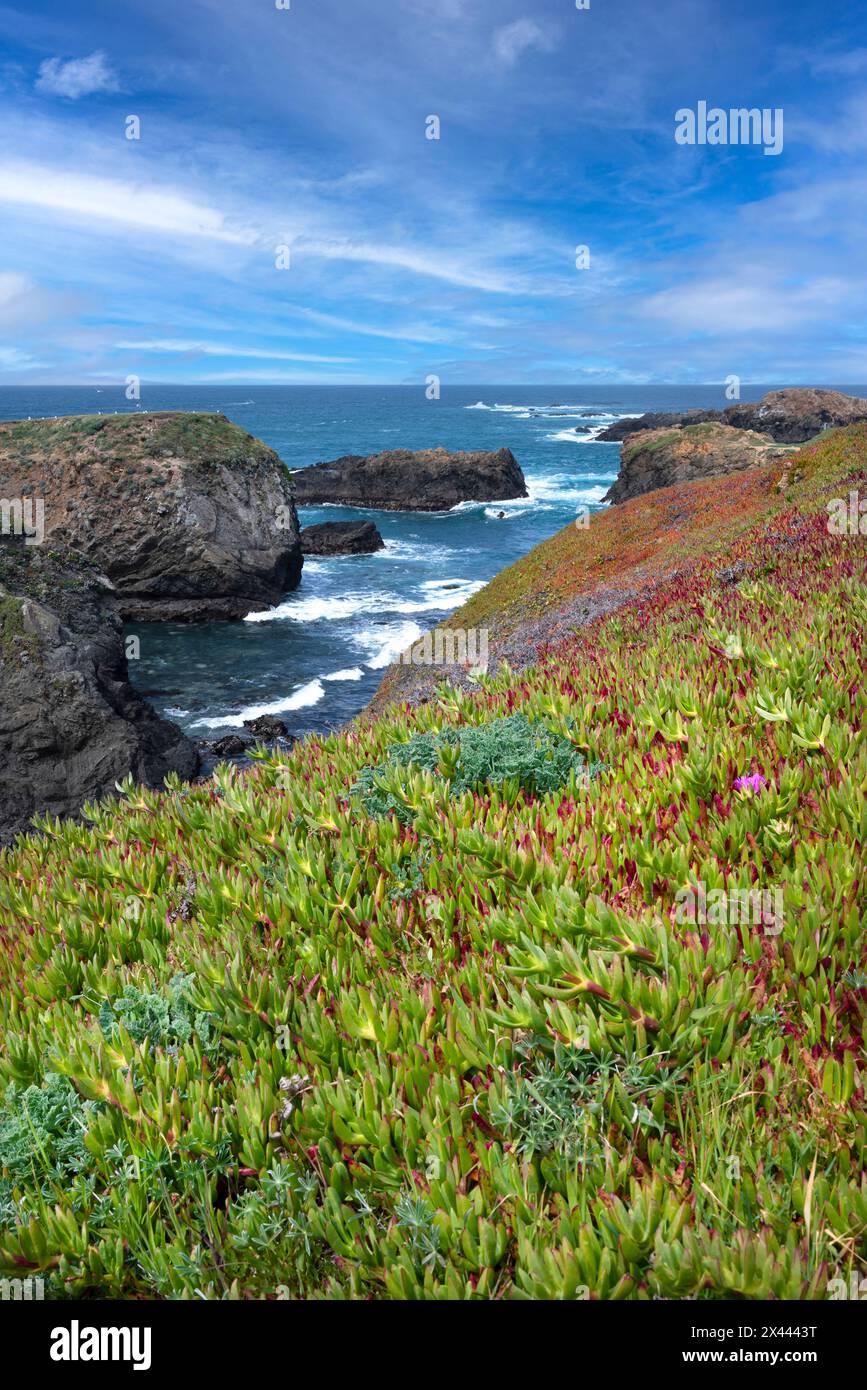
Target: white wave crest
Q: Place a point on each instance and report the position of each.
(304, 695)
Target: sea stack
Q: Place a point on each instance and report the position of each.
(401, 480)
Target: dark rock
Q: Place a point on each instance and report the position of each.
(656, 420)
(71, 725)
(798, 413)
(266, 726)
(341, 538)
(790, 417)
(230, 746)
(430, 480)
(189, 517)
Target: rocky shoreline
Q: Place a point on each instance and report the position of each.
(790, 416)
(71, 723)
(186, 517)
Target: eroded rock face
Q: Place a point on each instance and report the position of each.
(190, 517)
(71, 725)
(652, 459)
(790, 416)
(341, 538)
(428, 480)
(795, 415)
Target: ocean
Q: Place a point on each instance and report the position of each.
(317, 658)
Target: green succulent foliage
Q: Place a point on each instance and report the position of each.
(166, 1020)
(534, 757)
(42, 1131)
(411, 1011)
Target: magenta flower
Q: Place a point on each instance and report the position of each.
(755, 781)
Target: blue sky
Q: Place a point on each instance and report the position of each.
(306, 127)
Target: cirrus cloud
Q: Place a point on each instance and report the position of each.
(79, 77)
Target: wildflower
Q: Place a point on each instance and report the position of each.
(753, 782)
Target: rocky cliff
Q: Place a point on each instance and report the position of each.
(791, 416)
(428, 480)
(795, 415)
(190, 517)
(71, 724)
(659, 458)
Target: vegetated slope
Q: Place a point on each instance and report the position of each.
(586, 571)
(442, 1028)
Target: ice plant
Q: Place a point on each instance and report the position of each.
(753, 781)
(408, 1011)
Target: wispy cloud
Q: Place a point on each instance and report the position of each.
(100, 200)
(204, 349)
(77, 77)
(514, 39)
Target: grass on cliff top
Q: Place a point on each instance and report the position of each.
(197, 436)
(459, 1034)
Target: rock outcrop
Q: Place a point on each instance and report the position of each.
(341, 538)
(798, 414)
(428, 480)
(656, 420)
(652, 459)
(189, 517)
(71, 725)
(790, 416)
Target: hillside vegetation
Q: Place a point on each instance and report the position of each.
(416, 1011)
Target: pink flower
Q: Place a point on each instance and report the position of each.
(754, 782)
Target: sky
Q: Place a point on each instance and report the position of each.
(285, 217)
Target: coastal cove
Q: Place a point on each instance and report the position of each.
(317, 657)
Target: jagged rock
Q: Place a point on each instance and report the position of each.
(429, 480)
(267, 726)
(188, 516)
(71, 725)
(790, 416)
(230, 746)
(797, 414)
(341, 538)
(659, 458)
(656, 420)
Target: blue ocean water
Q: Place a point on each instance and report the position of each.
(317, 658)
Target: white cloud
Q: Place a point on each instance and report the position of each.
(723, 305)
(514, 39)
(14, 360)
(111, 200)
(24, 304)
(224, 350)
(430, 263)
(412, 333)
(79, 77)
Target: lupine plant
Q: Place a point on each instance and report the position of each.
(409, 1012)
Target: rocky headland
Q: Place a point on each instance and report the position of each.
(653, 459)
(71, 725)
(190, 517)
(790, 416)
(426, 480)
